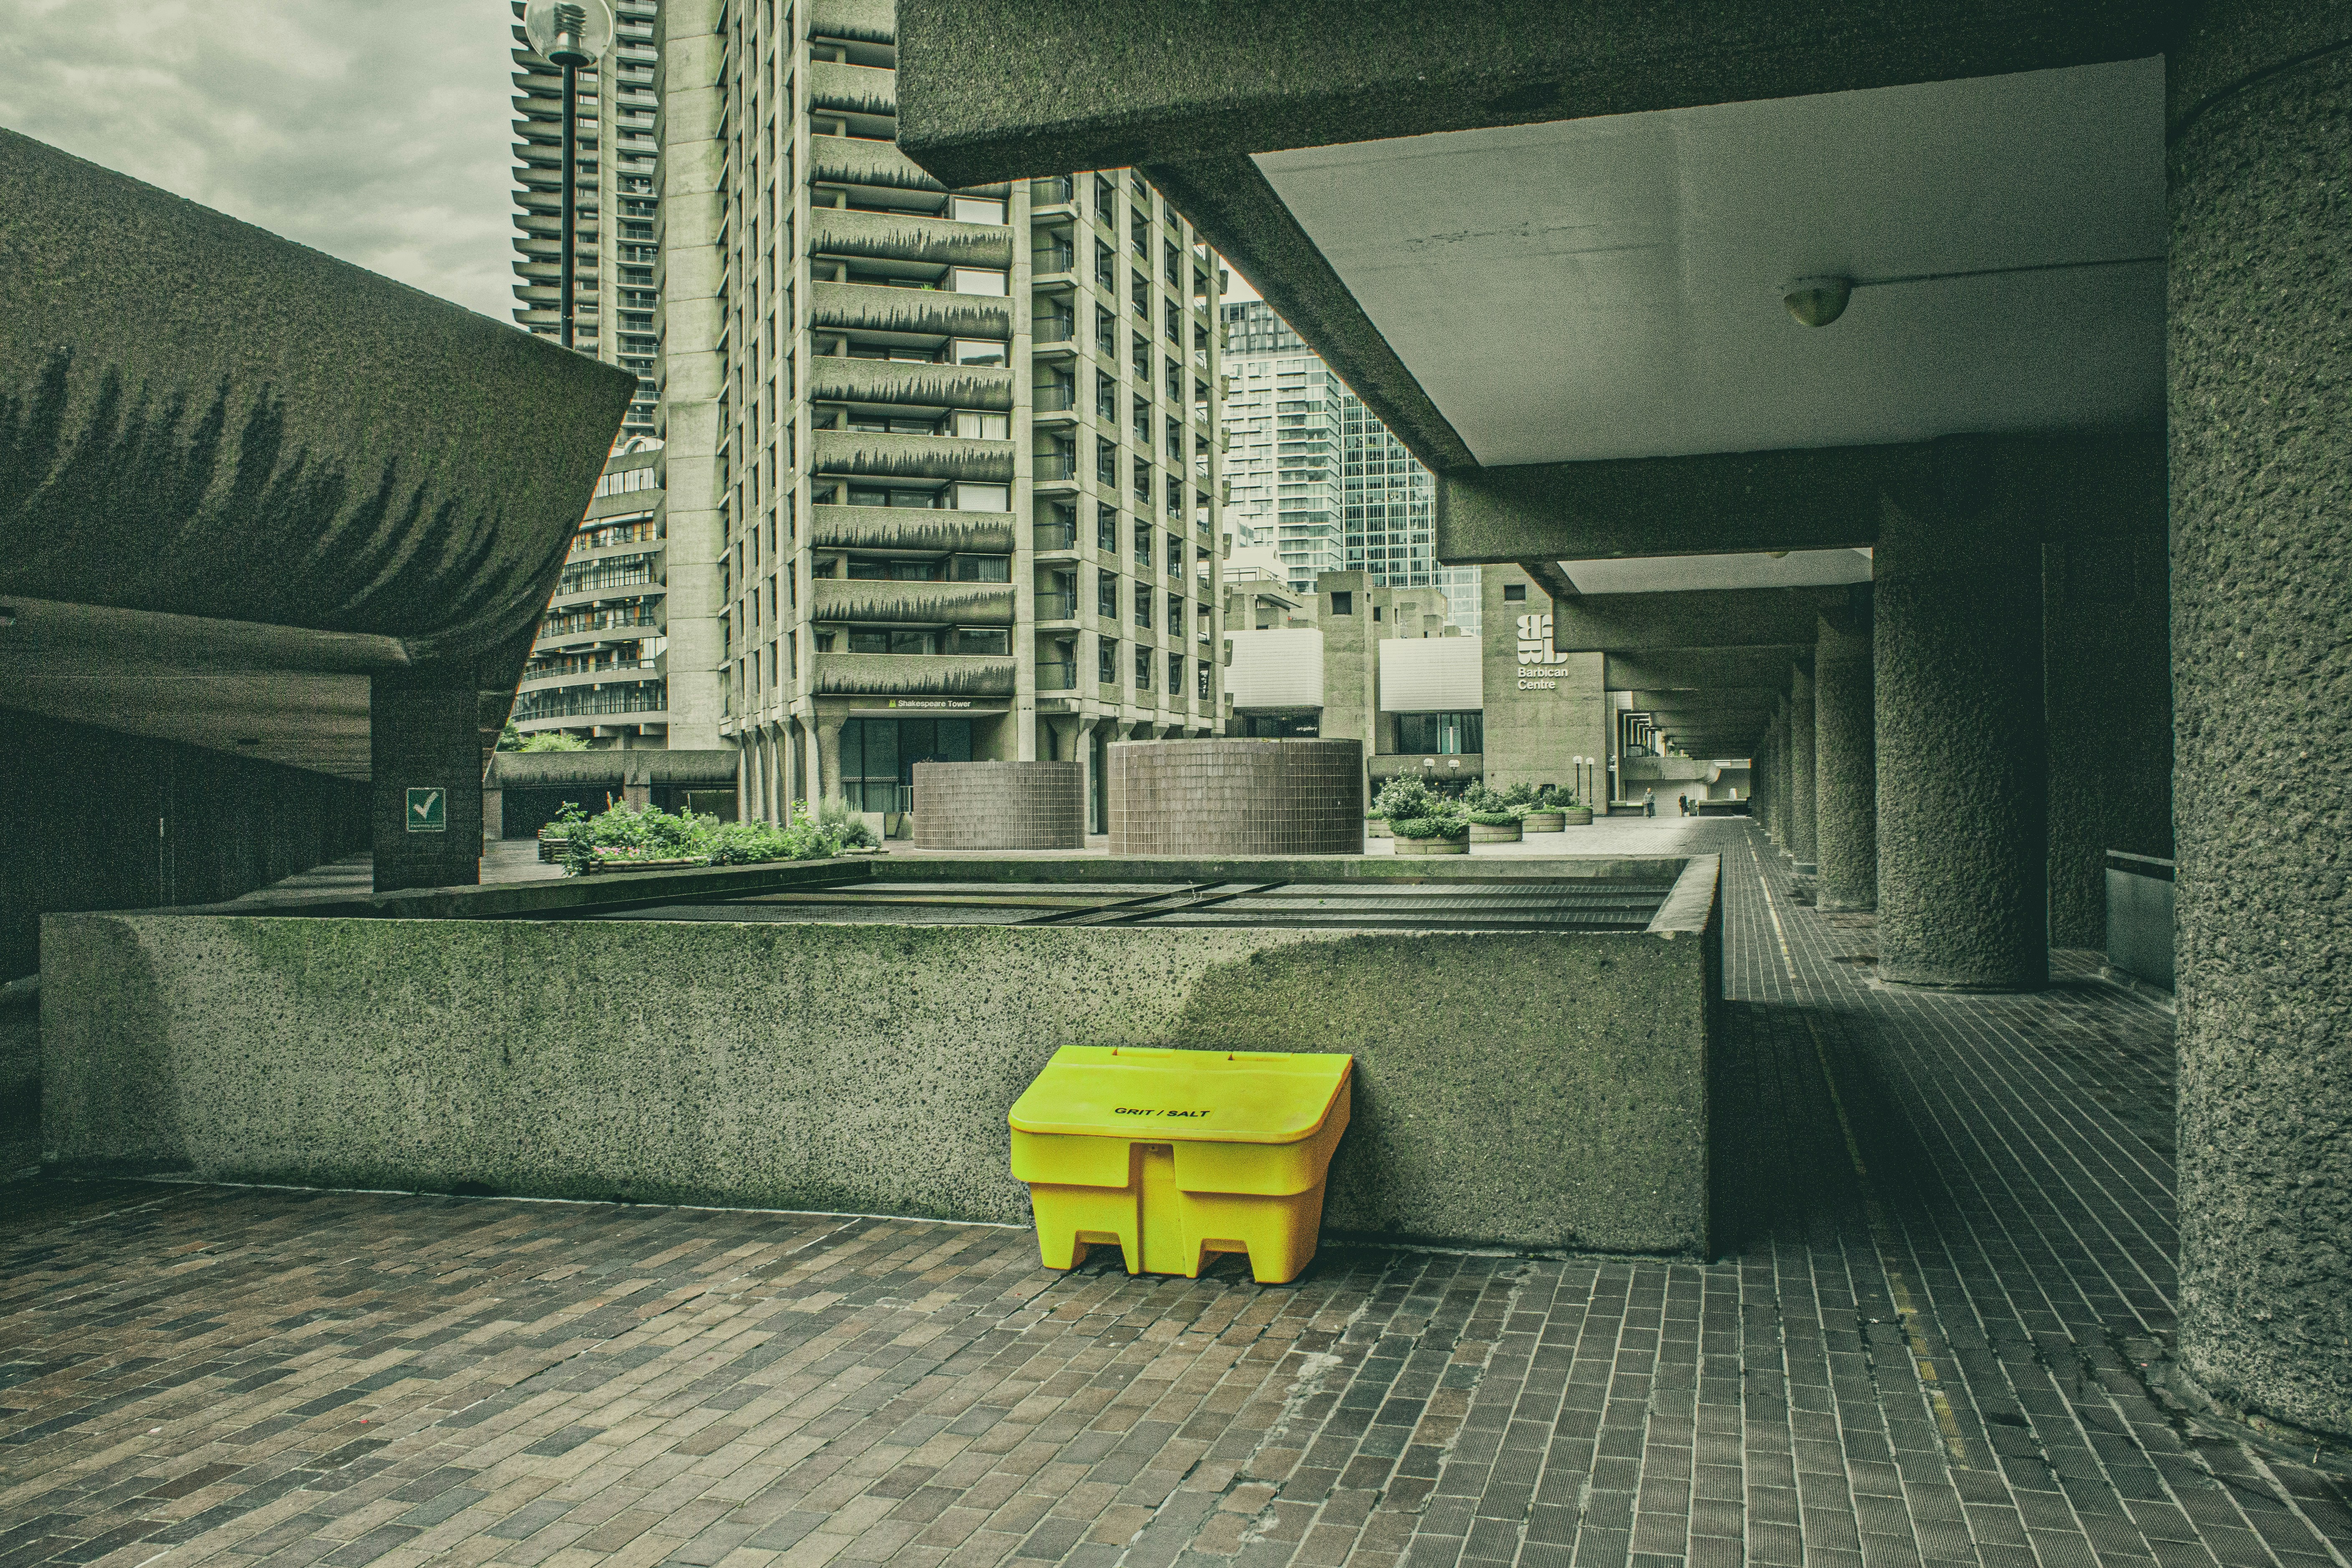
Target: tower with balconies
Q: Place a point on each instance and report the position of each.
(957, 451)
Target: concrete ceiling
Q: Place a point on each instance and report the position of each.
(1608, 287)
(1682, 574)
(276, 694)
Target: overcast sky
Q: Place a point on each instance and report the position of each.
(378, 131)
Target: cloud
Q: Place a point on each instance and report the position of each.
(377, 131)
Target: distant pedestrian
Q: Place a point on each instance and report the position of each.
(1649, 803)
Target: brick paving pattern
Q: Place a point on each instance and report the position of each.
(1949, 1256)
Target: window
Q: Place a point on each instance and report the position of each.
(1175, 373)
(1139, 411)
(984, 569)
(1105, 197)
(1138, 230)
(1170, 267)
(1106, 395)
(1343, 602)
(1167, 315)
(1176, 443)
(1143, 544)
(983, 498)
(1142, 669)
(1376, 612)
(1105, 266)
(1442, 735)
(1107, 661)
(1175, 553)
(1106, 333)
(1205, 678)
(1105, 462)
(1106, 593)
(1140, 354)
(878, 755)
(1176, 617)
(1175, 675)
(1138, 295)
(975, 280)
(983, 426)
(1106, 528)
(1515, 593)
(1143, 606)
(975, 350)
(1143, 484)
(987, 642)
(976, 209)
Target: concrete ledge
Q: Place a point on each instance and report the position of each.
(1542, 1091)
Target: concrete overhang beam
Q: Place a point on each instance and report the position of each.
(1716, 619)
(1687, 671)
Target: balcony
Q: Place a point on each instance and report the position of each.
(919, 604)
(1054, 607)
(909, 237)
(1056, 467)
(1057, 677)
(932, 312)
(849, 161)
(1050, 328)
(1054, 538)
(835, 379)
(1049, 259)
(858, 90)
(1055, 396)
(911, 530)
(1053, 191)
(913, 457)
(911, 675)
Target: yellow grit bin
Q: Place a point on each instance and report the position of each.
(1172, 1155)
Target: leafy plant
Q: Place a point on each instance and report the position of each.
(509, 738)
(846, 826)
(1520, 794)
(1494, 818)
(1402, 798)
(1440, 826)
(554, 741)
(625, 834)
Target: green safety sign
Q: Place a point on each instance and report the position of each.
(429, 810)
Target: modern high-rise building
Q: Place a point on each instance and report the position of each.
(601, 668)
(952, 455)
(1303, 449)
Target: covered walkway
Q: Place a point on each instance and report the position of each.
(1928, 1339)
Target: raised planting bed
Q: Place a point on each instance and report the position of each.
(1495, 831)
(1544, 822)
(1579, 816)
(1377, 827)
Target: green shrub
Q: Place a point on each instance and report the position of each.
(625, 834)
(846, 826)
(1402, 798)
(1494, 818)
(554, 741)
(1520, 794)
(1431, 827)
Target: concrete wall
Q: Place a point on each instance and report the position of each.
(1237, 798)
(103, 821)
(20, 1077)
(999, 806)
(1527, 1089)
(1537, 716)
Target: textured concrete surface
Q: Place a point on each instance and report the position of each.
(1544, 1091)
(20, 1077)
(424, 733)
(1804, 838)
(1845, 763)
(1237, 798)
(1932, 1345)
(999, 806)
(1537, 716)
(1962, 840)
(2261, 645)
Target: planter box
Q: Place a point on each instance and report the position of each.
(1377, 827)
(1544, 822)
(1433, 846)
(550, 850)
(1580, 817)
(600, 867)
(1493, 833)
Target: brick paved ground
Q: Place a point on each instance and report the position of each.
(1952, 1227)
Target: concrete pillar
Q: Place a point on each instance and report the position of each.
(1845, 765)
(425, 804)
(1801, 771)
(828, 761)
(1962, 839)
(2262, 668)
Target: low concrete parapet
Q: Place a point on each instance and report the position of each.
(2139, 917)
(1546, 1088)
(1237, 798)
(999, 806)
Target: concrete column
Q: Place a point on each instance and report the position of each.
(1778, 825)
(2262, 668)
(426, 746)
(1801, 771)
(828, 761)
(1845, 766)
(1962, 838)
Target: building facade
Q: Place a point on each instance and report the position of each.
(601, 668)
(953, 454)
(1316, 474)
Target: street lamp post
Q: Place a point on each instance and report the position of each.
(569, 34)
